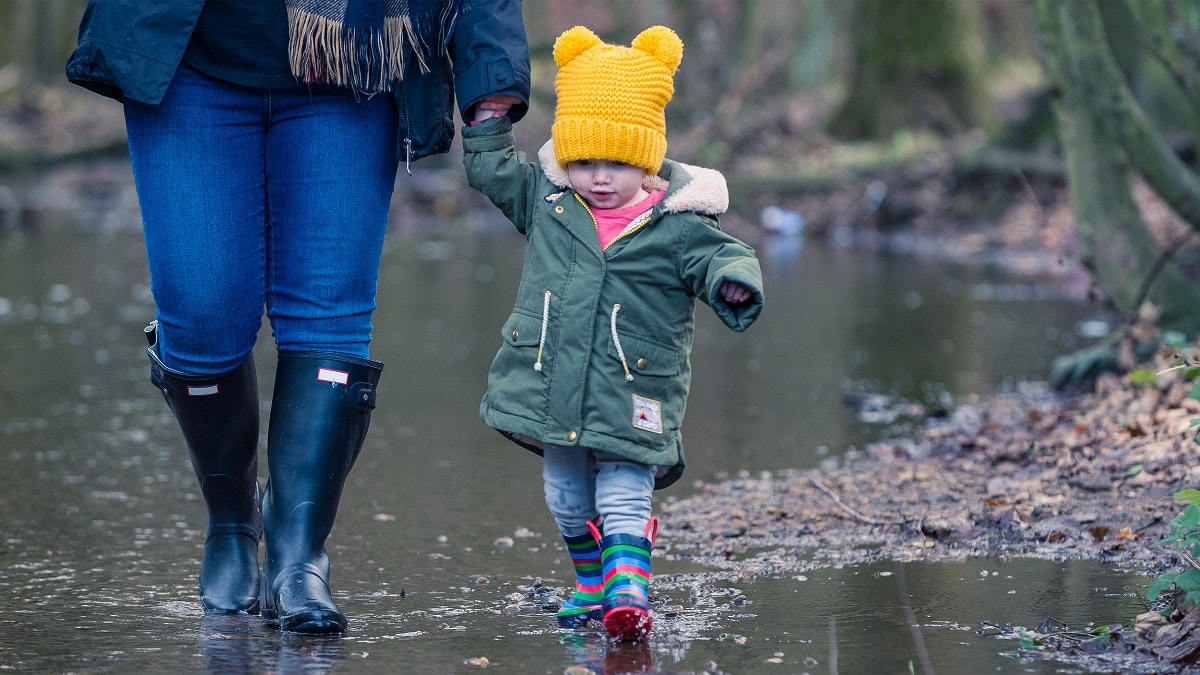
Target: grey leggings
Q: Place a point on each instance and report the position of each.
(581, 483)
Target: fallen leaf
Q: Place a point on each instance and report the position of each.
(1127, 534)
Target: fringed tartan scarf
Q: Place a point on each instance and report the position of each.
(361, 44)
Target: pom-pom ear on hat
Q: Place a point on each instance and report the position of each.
(611, 98)
(573, 43)
(662, 43)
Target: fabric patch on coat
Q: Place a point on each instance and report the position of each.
(550, 199)
(647, 414)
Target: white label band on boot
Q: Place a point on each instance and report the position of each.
(334, 376)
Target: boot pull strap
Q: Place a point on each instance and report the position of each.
(591, 526)
(652, 529)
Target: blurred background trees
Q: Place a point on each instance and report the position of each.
(954, 113)
(758, 77)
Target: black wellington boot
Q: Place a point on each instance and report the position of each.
(218, 416)
(319, 418)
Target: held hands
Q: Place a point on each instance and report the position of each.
(494, 106)
(734, 293)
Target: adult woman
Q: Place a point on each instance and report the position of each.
(265, 139)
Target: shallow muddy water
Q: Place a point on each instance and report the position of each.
(442, 531)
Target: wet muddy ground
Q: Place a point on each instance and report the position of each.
(1024, 473)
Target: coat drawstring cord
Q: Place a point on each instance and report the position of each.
(612, 322)
(545, 323)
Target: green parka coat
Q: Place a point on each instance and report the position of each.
(596, 351)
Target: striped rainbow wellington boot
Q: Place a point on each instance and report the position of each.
(584, 604)
(625, 608)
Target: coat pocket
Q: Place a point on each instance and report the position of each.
(515, 385)
(651, 403)
(522, 330)
(645, 357)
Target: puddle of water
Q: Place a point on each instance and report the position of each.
(102, 526)
(879, 618)
(852, 620)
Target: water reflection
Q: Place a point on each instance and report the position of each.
(102, 525)
(602, 657)
(240, 644)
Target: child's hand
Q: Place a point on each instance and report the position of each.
(494, 106)
(734, 293)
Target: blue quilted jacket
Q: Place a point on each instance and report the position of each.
(131, 48)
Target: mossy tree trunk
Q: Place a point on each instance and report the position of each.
(1105, 135)
(913, 68)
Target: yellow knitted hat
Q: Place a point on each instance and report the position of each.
(611, 98)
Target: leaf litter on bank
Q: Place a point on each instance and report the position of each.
(1028, 472)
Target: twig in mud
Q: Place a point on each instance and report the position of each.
(913, 626)
(842, 505)
(1188, 360)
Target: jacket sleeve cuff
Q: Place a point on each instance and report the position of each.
(493, 133)
(738, 317)
(493, 78)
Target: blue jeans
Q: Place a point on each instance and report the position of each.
(581, 483)
(254, 198)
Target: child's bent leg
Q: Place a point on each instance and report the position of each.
(568, 475)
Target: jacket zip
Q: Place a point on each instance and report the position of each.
(408, 145)
(634, 225)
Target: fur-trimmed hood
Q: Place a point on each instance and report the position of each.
(689, 188)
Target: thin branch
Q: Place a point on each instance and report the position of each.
(1191, 561)
(1188, 361)
(1160, 263)
(842, 505)
(751, 81)
(1033, 197)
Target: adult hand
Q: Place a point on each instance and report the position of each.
(494, 106)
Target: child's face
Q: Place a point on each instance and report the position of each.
(607, 184)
